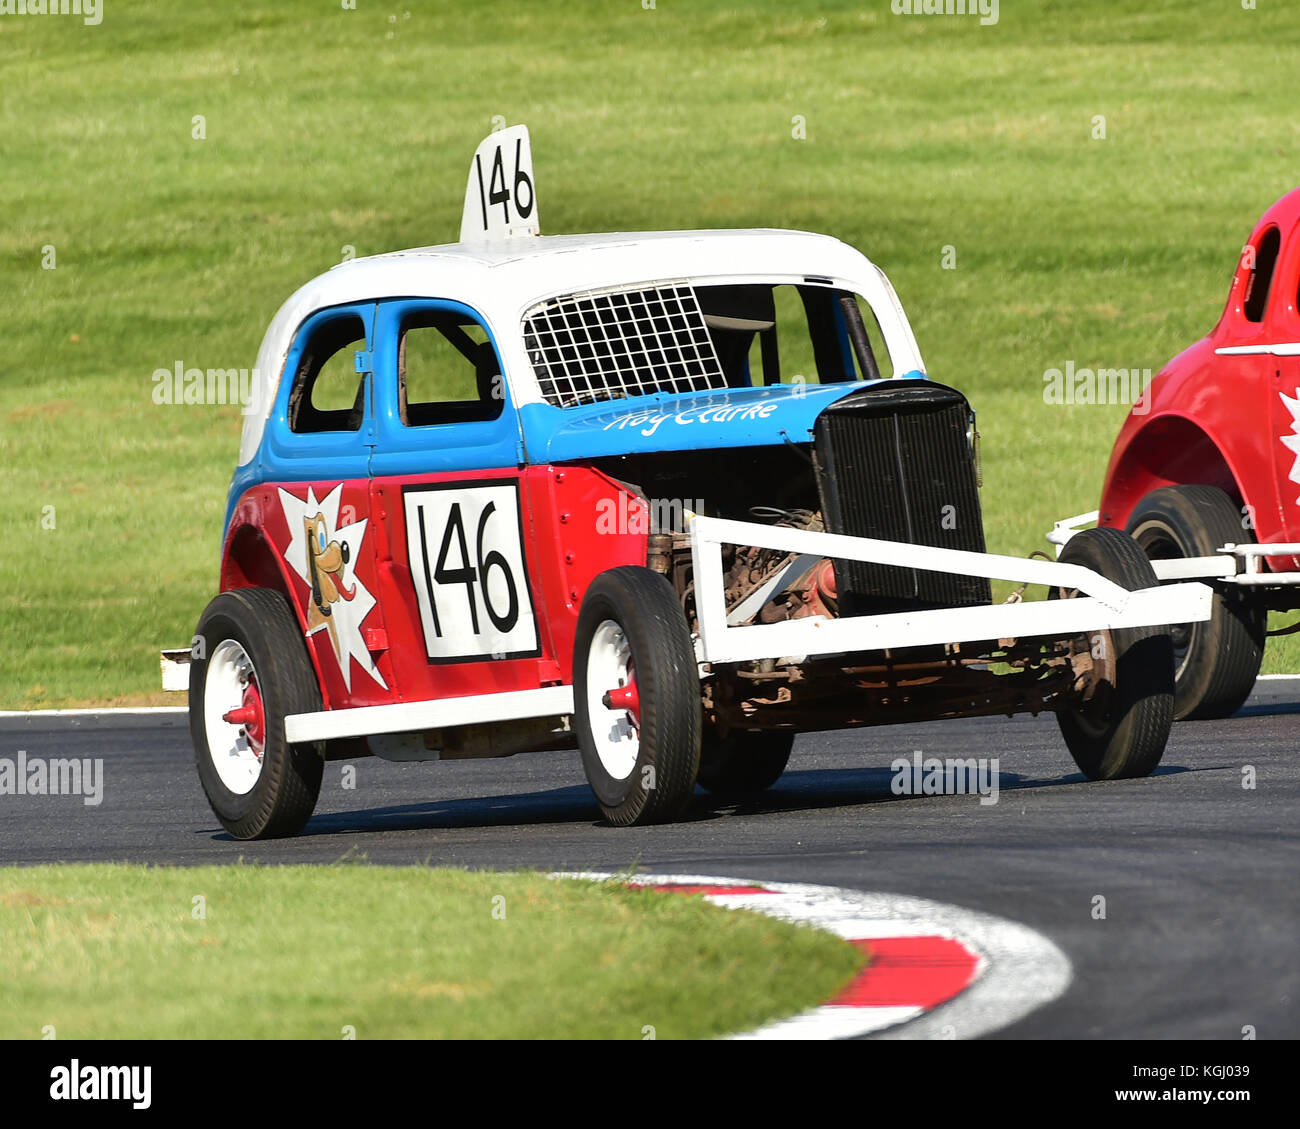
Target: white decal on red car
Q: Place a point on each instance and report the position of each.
(324, 555)
(465, 544)
(1292, 442)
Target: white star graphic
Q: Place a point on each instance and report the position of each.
(346, 614)
(1292, 442)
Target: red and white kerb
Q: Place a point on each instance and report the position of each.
(934, 970)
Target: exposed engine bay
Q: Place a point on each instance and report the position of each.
(896, 462)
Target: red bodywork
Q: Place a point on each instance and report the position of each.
(563, 550)
(1219, 419)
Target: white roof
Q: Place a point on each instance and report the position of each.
(502, 280)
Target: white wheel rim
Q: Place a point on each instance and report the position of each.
(609, 666)
(237, 763)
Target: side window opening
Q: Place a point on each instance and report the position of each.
(787, 334)
(1260, 279)
(875, 338)
(742, 323)
(447, 371)
(846, 340)
(328, 393)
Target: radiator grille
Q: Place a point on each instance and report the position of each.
(895, 463)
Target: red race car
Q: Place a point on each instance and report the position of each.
(1205, 473)
(526, 493)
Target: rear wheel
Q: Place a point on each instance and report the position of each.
(254, 672)
(1125, 708)
(743, 763)
(1216, 661)
(636, 697)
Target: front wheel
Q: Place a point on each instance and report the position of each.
(253, 674)
(1122, 717)
(637, 697)
(1217, 660)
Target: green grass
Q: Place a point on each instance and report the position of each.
(307, 951)
(328, 127)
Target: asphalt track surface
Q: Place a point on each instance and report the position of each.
(1201, 876)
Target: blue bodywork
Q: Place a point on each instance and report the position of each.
(534, 434)
(682, 421)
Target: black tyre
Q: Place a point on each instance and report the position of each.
(743, 763)
(1122, 729)
(636, 697)
(254, 670)
(1216, 661)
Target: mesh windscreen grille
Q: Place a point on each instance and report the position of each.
(610, 344)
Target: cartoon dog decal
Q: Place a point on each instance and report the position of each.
(324, 554)
(325, 562)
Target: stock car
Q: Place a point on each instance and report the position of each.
(1205, 469)
(667, 497)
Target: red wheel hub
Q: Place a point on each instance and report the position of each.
(624, 698)
(251, 716)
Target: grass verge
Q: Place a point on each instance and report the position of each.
(249, 952)
(169, 239)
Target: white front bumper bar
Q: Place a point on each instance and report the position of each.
(1101, 606)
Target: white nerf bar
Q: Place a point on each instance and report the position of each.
(1233, 564)
(1105, 604)
(405, 717)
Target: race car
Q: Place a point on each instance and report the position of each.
(1204, 472)
(669, 497)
